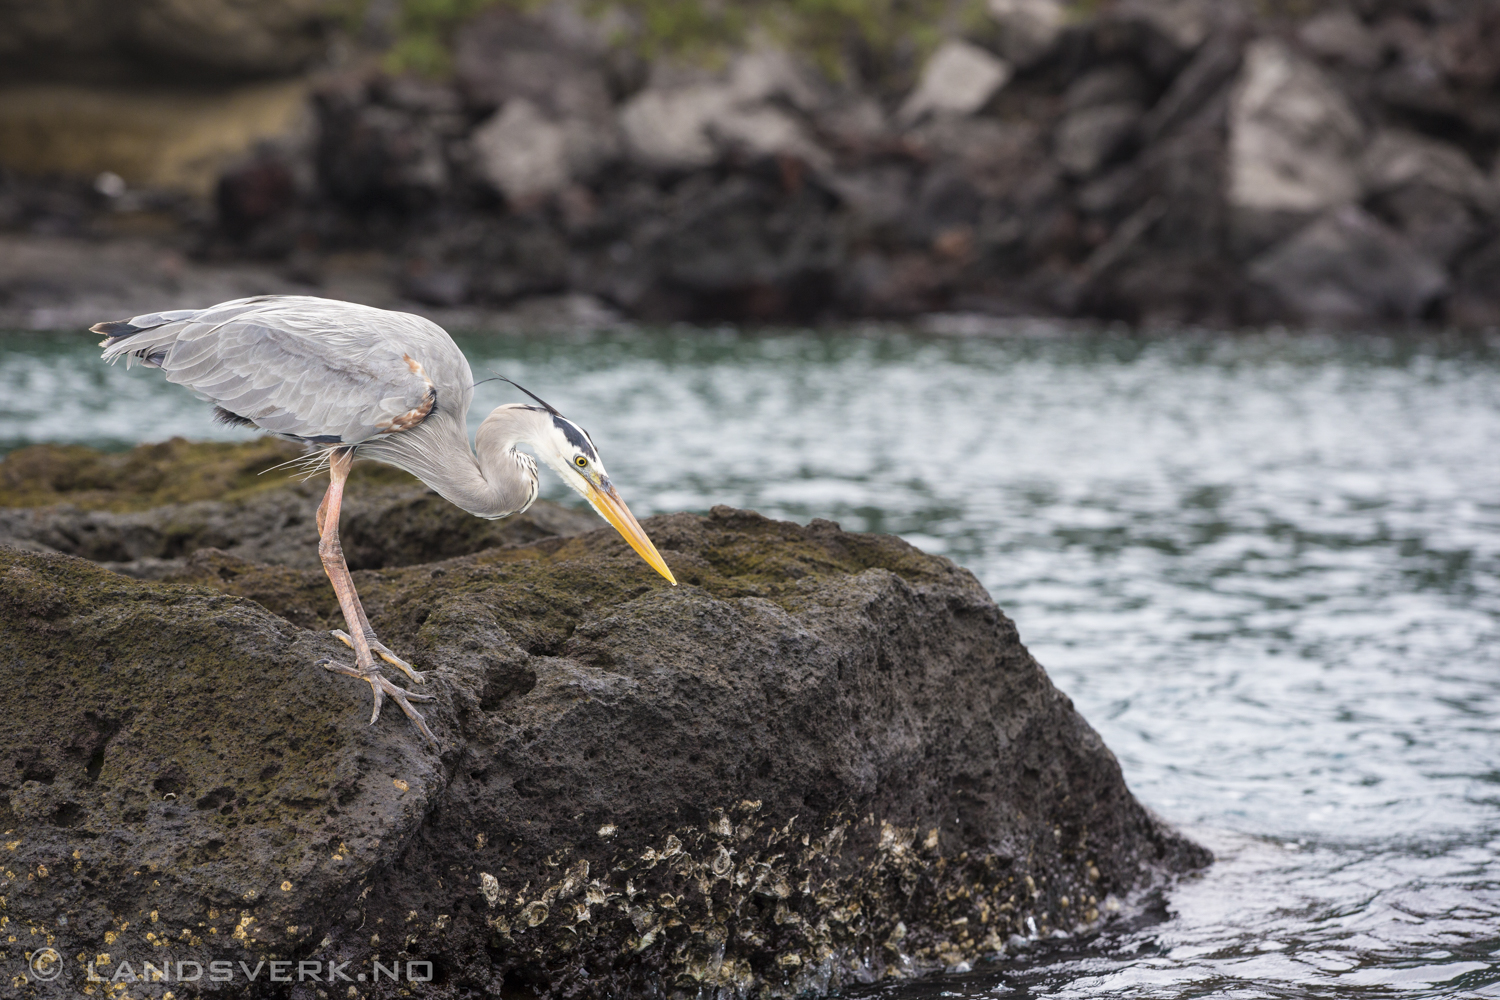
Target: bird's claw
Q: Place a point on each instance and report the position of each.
(379, 649)
(381, 687)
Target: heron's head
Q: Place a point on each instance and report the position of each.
(569, 450)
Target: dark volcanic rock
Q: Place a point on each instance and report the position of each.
(81, 502)
(1346, 268)
(1135, 160)
(824, 757)
(382, 526)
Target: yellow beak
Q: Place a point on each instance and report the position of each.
(610, 507)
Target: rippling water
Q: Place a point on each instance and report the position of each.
(1267, 569)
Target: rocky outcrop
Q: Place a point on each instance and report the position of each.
(824, 758)
(383, 526)
(389, 519)
(1294, 138)
(1149, 162)
(1348, 268)
(958, 80)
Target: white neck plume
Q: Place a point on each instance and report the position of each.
(492, 480)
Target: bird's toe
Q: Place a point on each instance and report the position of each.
(381, 687)
(370, 676)
(404, 698)
(383, 651)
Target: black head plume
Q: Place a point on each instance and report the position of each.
(545, 405)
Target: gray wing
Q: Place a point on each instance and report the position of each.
(314, 369)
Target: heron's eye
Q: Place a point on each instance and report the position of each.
(581, 462)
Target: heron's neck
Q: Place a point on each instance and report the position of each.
(509, 474)
(492, 480)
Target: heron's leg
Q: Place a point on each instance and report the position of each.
(332, 554)
(376, 646)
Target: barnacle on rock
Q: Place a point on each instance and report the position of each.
(489, 888)
(535, 914)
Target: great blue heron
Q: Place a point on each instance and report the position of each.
(354, 381)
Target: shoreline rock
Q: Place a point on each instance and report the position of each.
(824, 758)
(1141, 161)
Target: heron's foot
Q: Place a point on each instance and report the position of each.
(379, 649)
(382, 687)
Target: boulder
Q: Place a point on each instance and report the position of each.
(877, 196)
(543, 73)
(824, 758)
(766, 131)
(1339, 35)
(692, 121)
(766, 73)
(552, 57)
(1348, 269)
(1436, 223)
(1111, 83)
(1200, 83)
(958, 79)
(259, 194)
(1430, 191)
(1088, 138)
(433, 284)
(668, 129)
(1029, 29)
(522, 152)
(748, 244)
(1294, 137)
(1467, 46)
(854, 123)
(993, 155)
(1398, 158)
(1182, 24)
(382, 145)
(1442, 73)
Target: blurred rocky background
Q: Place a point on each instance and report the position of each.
(1154, 161)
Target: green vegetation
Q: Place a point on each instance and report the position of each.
(424, 31)
(150, 475)
(826, 31)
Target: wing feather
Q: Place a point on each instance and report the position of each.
(299, 366)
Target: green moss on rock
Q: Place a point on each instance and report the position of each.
(150, 475)
(111, 509)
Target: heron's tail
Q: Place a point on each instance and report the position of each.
(122, 337)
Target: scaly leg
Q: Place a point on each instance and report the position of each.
(332, 554)
(376, 646)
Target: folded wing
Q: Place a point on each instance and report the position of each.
(306, 368)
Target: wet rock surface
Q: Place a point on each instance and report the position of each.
(385, 525)
(824, 758)
(81, 502)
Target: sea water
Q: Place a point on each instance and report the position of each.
(1265, 566)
